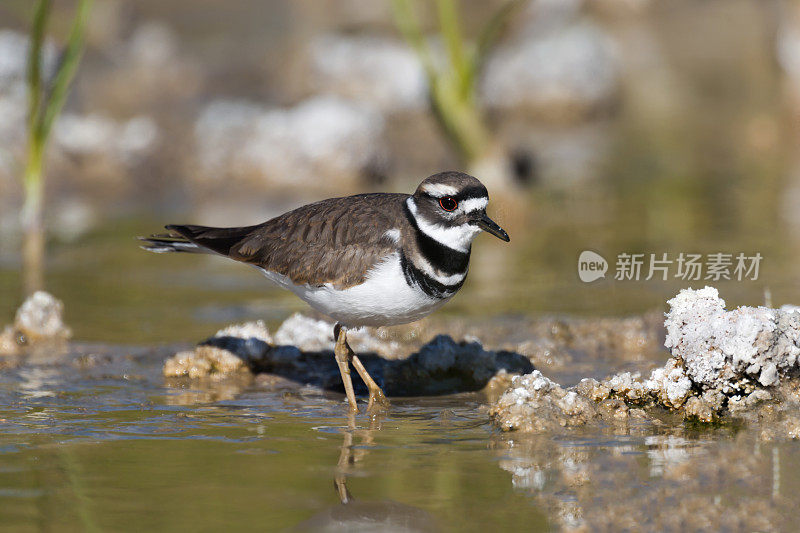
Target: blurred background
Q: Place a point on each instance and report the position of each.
(619, 126)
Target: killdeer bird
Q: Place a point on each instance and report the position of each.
(365, 260)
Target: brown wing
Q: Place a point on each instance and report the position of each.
(333, 241)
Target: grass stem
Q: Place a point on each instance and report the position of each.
(45, 102)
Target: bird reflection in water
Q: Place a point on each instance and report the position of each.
(354, 514)
(348, 457)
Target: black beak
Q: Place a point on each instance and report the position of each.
(488, 225)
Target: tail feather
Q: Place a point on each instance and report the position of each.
(170, 242)
(196, 239)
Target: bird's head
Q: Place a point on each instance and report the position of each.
(451, 208)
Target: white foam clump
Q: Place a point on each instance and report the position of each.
(153, 45)
(14, 54)
(721, 360)
(381, 71)
(535, 403)
(248, 330)
(100, 135)
(84, 135)
(523, 387)
(38, 320)
(669, 384)
(719, 348)
(573, 66)
(41, 316)
(537, 381)
(314, 335)
(320, 137)
(306, 333)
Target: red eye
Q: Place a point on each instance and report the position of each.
(448, 203)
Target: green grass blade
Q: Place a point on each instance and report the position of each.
(34, 73)
(454, 41)
(67, 69)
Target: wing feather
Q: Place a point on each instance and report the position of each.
(334, 241)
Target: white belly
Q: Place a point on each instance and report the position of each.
(384, 299)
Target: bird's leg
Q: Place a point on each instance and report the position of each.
(376, 395)
(343, 355)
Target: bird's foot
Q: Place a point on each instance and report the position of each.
(377, 399)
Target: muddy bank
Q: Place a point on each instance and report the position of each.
(302, 351)
(418, 359)
(407, 360)
(725, 365)
(38, 325)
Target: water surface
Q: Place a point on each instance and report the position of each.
(100, 441)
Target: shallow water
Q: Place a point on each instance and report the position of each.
(105, 443)
(115, 447)
(98, 440)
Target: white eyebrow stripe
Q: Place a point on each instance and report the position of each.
(439, 189)
(457, 237)
(474, 204)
